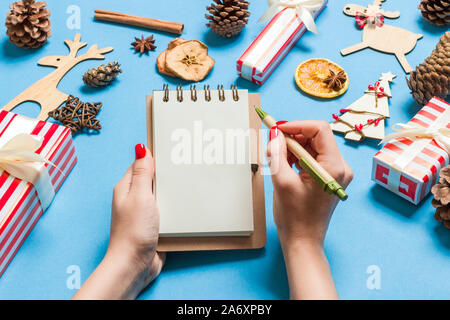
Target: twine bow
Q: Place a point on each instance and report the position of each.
(413, 131)
(363, 19)
(303, 8)
(19, 158)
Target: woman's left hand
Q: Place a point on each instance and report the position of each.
(131, 261)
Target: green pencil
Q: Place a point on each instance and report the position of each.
(307, 162)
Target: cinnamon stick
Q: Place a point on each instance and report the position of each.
(149, 23)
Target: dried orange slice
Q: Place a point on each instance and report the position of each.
(313, 77)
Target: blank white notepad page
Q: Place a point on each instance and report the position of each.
(203, 172)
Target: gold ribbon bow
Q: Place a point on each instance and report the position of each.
(303, 8)
(413, 131)
(19, 158)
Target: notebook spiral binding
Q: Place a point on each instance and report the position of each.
(207, 90)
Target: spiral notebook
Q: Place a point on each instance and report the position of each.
(204, 183)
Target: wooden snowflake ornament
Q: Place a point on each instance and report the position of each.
(365, 118)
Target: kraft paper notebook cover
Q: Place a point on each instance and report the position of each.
(208, 206)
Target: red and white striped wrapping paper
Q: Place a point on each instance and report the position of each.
(20, 207)
(272, 45)
(421, 159)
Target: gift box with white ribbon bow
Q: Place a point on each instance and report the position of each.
(35, 159)
(289, 21)
(412, 157)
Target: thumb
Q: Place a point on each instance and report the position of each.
(280, 169)
(143, 170)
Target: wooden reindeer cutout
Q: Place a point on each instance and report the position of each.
(45, 91)
(381, 37)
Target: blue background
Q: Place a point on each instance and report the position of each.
(374, 227)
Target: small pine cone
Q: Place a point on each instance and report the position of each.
(103, 75)
(227, 18)
(441, 201)
(432, 77)
(28, 24)
(436, 11)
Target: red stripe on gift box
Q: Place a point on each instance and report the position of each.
(428, 115)
(435, 106)
(438, 99)
(7, 125)
(3, 178)
(24, 231)
(405, 141)
(423, 192)
(434, 144)
(25, 203)
(39, 126)
(68, 158)
(72, 164)
(422, 162)
(48, 135)
(434, 155)
(394, 148)
(3, 115)
(10, 216)
(420, 122)
(5, 197)
(63, 140)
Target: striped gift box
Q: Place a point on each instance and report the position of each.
(272, 45)
(410, 167)
(20, 206)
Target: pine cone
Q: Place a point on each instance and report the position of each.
(441, 201)
(28, 24)
(436, 11)
(432, 77)
(228, 17)
(103, 75)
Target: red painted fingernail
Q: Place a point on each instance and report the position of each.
(140, 151)
(279, 123)
(273, 133)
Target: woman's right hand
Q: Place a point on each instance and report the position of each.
(302, 210)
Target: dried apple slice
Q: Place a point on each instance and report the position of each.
(161, 64)
(175, 42)
(161, 60)
(189, 61)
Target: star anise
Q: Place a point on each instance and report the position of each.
(335, 81)
(144, 45)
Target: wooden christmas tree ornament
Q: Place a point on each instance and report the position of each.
(365, 118)
(45, 92)
(379, 36)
